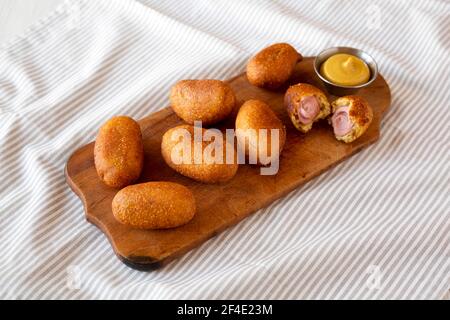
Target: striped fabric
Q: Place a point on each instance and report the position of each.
(374, 227)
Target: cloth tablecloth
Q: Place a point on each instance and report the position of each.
(376, 226)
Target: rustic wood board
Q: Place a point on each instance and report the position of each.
(218, 206)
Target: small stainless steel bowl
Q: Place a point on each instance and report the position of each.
(339, 90)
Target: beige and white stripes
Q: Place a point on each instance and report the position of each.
(376, 226)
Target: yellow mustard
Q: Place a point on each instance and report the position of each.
(345, 70)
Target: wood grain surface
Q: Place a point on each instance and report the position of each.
(219, 206)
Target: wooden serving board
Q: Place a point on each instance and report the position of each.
(223, 205)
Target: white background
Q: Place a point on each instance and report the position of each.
(17, 15)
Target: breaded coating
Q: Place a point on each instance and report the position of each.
(154, 205)
(294, 100)
(119, 152)
(209, 101)
(198, 166)
(273, 66)
(358, 112)
(256, 114)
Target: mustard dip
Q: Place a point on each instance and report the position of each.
(345, 70)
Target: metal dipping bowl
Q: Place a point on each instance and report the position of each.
(339, 90)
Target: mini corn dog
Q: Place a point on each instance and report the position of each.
(352, 116)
